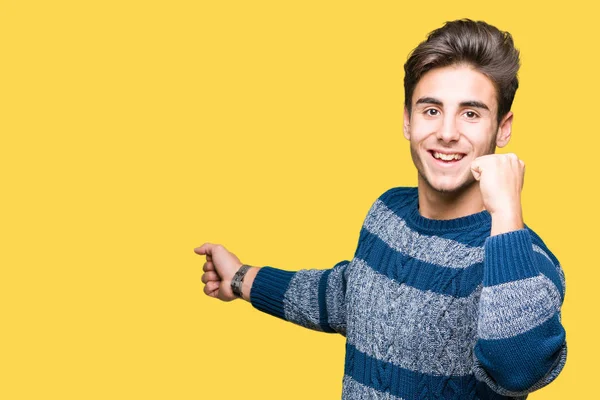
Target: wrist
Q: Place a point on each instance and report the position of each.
(241, 283)
(507, 221)
(236, 281)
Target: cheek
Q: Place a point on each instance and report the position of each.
(480, 136)
(420, 129)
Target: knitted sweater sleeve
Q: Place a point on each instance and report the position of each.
(310, 298)
(521, 343)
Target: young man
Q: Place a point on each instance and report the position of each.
(449, 294)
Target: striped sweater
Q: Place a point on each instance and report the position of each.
(432, 309)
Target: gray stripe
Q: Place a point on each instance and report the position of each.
(559, 270)
(301, 300)
(561, 275)
(418, 330)
(481, 375)
(334, 298)
(512, 308)
(393, 230)
(353, 390)
(542, 252)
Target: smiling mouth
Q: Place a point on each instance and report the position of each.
(445, 158)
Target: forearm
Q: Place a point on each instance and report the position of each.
(311, 298)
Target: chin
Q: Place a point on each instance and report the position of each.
(450, 186)
(446, 188)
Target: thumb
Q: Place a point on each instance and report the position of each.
(206, 248)
(476, 170)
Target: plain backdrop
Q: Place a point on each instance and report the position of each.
(134, 131)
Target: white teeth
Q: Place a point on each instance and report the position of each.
(447, 157)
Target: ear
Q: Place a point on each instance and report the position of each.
(504, 130)
(406, 124)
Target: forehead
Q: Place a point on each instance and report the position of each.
(455, 84)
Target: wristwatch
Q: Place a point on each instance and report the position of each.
(236, 282)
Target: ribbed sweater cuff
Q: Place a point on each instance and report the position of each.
(509, 257)
(268, 290)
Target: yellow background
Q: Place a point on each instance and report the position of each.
(134, 131)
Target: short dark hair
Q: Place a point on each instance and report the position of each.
(483, 46)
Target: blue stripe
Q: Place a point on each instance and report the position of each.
(535, 353)
(537, 240)
(404, 383)
(323, 314)
(410, 385)
(268, 290)
(485, 392)
(457, 282)
(403, 202)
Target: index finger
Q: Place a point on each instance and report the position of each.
(208, 266)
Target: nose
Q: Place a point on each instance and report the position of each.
(448, 132)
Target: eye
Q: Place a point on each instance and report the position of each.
(432, 112)
(471, 114)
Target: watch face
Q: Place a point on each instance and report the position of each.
(235, 287)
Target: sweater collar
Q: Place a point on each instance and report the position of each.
(480, 219)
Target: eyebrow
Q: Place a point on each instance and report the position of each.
(470, 103)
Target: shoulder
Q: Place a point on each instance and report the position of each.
(540, 246)
(396, 199)
(556, 274)
(399, 197)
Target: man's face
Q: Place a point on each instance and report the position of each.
(453, 121)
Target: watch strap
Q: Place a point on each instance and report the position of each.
(238, 278)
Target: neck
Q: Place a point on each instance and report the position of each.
(449, 205)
